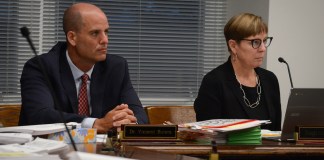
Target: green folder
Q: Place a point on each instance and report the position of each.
(247, 136)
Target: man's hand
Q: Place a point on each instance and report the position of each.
(121, 114)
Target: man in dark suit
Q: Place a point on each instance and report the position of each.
(110, 98)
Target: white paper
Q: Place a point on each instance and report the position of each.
(52, 146)
(10, 138)
(87, 156)
(225, 125)
(27, 156)
(21, 148)
(101, 138)
(35, 130)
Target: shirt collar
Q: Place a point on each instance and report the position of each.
(76, 72)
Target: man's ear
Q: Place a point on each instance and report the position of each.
(71, 37)
(232, 45)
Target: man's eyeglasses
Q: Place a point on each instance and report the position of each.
(256, 43)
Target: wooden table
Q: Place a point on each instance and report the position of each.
(267, 150)
(133, 152)
(194, 150)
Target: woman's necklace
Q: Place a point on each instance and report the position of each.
(247, 102)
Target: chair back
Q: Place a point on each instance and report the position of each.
(174, 114)
(9, 114)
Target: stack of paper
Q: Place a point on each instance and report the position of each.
(35, 130)
(91, 156)
(27, 156)
(37, 149)
(9, 138)
(51, 146)
(39, 145)
(230, 131)
(225, 125)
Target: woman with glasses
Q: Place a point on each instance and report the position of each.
(239, 88)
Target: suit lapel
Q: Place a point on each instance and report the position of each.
(68, 83)
(97, 88)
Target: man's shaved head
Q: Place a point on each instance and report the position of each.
(72, 19)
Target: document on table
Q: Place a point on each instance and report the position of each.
(35, 130)
(10, 138)
(39, 145)
(225, 125)
(86, 156)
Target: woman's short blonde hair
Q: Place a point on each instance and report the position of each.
(242, 26)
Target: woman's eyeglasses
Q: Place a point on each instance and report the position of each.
(256, 43)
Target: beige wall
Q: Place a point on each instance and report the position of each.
(298, 30)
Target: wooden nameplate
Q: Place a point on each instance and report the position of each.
(146, 132)
(309, 134)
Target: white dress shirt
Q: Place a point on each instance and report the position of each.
(77, 73)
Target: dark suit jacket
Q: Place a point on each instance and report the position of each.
(110, 86)
(220, 96)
